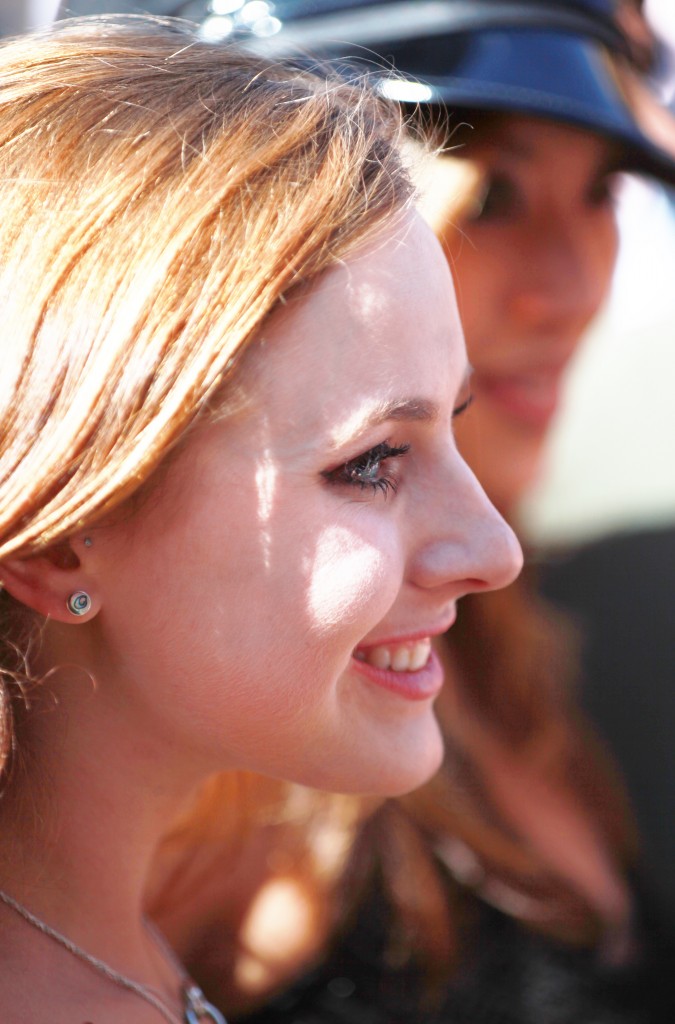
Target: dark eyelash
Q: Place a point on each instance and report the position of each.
(463, 407)
(351, 472)
(499, 195)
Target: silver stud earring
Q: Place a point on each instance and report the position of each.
(79, 603)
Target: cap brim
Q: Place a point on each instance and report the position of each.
(554, 75)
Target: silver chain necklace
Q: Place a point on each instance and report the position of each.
(196, 1007)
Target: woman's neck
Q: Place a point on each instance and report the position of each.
(83, 811)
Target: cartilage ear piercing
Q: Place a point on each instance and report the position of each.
(79, 603)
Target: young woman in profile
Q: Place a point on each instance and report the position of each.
(501, 890)
(227, 476)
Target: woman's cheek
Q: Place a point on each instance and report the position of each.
(352, 580)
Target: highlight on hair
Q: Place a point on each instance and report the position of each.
(159, 196)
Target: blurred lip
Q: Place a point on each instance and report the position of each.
(392, 639)
(424, 683)
(405, 665)
(531, 399)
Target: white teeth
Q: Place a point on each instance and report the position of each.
(419, 655)
(401, 658)
(379, 657)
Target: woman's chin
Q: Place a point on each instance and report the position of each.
(395, 766)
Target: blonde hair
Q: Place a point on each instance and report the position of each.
(160, 196)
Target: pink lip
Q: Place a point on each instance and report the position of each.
(410, 638)
(425, 684)
(530, 400)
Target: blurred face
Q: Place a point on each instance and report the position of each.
(532, 269)
(271, 605)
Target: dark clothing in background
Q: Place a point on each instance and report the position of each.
(507, 975)
(621, 592)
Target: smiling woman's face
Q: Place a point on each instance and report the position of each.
(531, 269)
(271, 605)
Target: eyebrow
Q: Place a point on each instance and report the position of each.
(521, 149)
(407, 409)
(400, 409)
(505, 144)
(419, 410)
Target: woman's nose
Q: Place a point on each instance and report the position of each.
(464, 544)
(565, 274)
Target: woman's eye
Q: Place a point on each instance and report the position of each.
(499, 199)
(370, 469)
(603, 191)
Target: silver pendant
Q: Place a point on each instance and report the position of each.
(198, 1009)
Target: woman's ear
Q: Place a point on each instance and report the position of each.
(48, 583)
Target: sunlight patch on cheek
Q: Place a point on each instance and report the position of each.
(265, 482)
(348, 577)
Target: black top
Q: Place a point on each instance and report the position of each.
(621, 593)
(508, 975)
